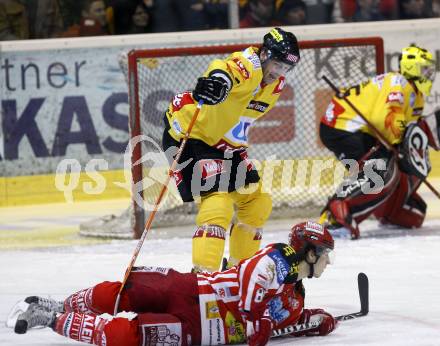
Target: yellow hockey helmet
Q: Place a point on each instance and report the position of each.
(418, 65)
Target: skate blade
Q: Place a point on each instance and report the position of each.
(18, 308)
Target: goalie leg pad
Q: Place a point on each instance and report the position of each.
(403, 208)
(364, 195)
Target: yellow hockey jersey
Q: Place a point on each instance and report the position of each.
(226, 125)
(388, 101)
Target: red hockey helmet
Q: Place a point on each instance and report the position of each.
(310, 235)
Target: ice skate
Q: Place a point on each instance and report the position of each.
(34, 316)
(48, 304)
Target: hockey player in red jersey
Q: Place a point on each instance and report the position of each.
(387, 184)
(218, 174)
(243, 303)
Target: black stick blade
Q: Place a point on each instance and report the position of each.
(363, 293)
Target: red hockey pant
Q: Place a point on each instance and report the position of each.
(166, 304)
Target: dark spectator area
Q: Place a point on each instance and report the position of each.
(29, 19)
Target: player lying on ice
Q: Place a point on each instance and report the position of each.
(393, 103)
(243, 303)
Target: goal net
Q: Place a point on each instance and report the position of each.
(296, 169)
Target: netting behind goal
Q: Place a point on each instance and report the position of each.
(296, 169)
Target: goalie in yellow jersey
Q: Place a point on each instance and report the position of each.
(386, 185)
(214, 169)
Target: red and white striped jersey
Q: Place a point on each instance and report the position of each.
(229, 299)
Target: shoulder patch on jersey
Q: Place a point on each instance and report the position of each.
(378, 80)
(398, 79)
(181, 100)
(241, 68)
(250, 54)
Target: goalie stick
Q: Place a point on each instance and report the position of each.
(364, 300)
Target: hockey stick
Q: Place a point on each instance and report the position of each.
(156, 206)
(379, 135)
(363, 297)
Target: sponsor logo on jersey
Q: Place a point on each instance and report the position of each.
(211, 167)
(236, 332)
(161, 334)
(216, 331)
(281, 266)
(224, 292)
(258, 106)
(145, 269)
(241, 68)
(280, 86)
(176, 127)
(249, 54)
(395, 96)
(212, 310)
(239, 132)
(398, 79)
(378, 81)
(276, 310)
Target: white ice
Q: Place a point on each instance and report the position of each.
(403, 268)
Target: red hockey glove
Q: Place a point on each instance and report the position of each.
(326, 325)
(262, 331)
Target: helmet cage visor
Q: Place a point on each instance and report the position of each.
(428, 72)
(325, 251)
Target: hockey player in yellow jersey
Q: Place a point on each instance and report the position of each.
(215, 169)
(393, 103)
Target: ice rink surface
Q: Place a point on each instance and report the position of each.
(402, 267)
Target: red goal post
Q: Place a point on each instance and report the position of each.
(285, 141)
